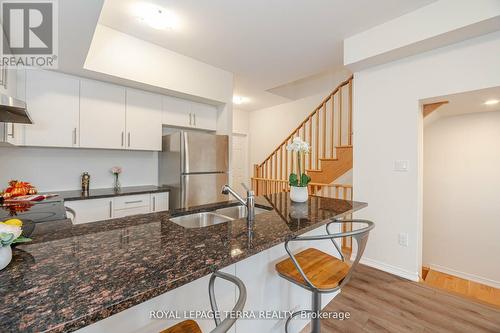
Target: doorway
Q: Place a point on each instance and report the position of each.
(461, 187)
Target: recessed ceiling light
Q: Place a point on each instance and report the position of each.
(157, 17)
(239, 100)
(492, 102)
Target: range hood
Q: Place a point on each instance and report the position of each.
(13, 111)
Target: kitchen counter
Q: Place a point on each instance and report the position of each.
(78, 275)
(110, 192)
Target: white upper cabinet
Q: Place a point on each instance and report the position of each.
(176, 112)
(102, 115)
(182, 113)
(52, 100)
(205, 116)
(144, 120)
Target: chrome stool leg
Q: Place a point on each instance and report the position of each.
(316, 307)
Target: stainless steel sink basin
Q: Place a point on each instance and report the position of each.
(238, 212)
(200, 220)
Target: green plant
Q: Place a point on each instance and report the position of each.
(301, 148)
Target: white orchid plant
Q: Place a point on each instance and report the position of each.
(301, 148)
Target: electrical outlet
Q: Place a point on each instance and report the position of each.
(403, 239)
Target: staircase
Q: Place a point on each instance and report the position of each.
(328, 129)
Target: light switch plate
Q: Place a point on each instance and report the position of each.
(401, 165)
(403, 239)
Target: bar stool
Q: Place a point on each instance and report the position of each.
(320, 272)
(190, 326)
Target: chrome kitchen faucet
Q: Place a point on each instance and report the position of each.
(249, 202)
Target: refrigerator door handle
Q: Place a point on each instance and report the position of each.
(185, 159)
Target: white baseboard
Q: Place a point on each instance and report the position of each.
(413, 276)
(467, 276)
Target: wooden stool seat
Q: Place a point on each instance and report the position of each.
(187, 326)
(323, 270)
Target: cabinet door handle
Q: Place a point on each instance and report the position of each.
(190, 119)
(132, 202)
(154, 204)
(110, 209)
(129, 139)
(194, 117)
(11, 134)
(123, 138)
(74, 136)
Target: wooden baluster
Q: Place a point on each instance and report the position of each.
(276, 165)
(332, 138)
(317, 138)
(271, 167)
(350, 112)
(340, 116)
(303, 161)
(281, 162)
(286, 160)
(337, 192)
(311, 143)
(324, 130)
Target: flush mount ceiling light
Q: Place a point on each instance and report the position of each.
(157, 17)
(239, 100)
(492, 102)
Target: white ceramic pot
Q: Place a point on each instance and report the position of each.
(298, 194)
(5, 256)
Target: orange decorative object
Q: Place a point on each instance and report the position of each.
(17, 189)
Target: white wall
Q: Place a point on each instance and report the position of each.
(118, 54)
(388, 127)
(54, 169)
(461, 194)
(438, 24)
(241, 121)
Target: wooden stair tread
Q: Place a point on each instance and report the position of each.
(187, 326)
(323, 270)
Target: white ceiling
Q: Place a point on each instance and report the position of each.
(265, 43)
(467, 102)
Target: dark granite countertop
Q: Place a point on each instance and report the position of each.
(110, 192)
(75, 275)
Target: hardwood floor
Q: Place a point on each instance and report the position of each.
(382, 302)
(463, 287)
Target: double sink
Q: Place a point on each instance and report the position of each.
(206, 219)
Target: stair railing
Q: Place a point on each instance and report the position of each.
(327, 127)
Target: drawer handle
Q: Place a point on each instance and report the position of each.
(132, 202)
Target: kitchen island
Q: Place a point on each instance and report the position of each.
(104, 273)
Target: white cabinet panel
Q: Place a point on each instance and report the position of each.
(52, 100)
(176, 112)
(131, 211)
(91, 210)
(159, 202)
(205, 116)
(131, 201)
(144, 120)
(102, 116)
(12, 133)
(183, 113)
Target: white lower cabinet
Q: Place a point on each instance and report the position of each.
(159, 202)
(91, 210)
(94, 210)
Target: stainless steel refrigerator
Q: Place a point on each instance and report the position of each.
(195, 165)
